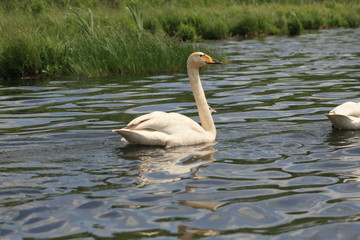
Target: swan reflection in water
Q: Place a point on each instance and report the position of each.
(346, 139)
(161, 165)
(158, 165)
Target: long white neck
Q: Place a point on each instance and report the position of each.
(204, 112)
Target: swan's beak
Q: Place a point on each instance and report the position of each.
(209, 60)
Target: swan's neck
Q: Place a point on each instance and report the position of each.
(204, 112)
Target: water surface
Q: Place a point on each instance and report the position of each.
(277, 170)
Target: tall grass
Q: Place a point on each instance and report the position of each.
(119, 52)
(87, 37)
(84, 44)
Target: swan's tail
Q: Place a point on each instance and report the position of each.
(142, 137)
(341, 121)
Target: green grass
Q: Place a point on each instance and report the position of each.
(88, 37)
(249, 20)
(80, 43)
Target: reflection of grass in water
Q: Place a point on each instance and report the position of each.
(48, 38)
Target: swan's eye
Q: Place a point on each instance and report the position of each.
(201, 55)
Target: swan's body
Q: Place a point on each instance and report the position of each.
(174, 129)
(345, 116)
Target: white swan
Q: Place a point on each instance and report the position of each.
(174, 129)
(345, 116)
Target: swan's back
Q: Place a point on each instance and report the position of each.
(347, 109)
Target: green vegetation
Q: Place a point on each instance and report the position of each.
(89, 37)
(79, 42)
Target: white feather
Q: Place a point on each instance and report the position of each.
(345, 116)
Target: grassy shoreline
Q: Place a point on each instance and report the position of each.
(85, 37)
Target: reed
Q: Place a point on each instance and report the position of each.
(86, 37)
(86, 45)
(120, 52)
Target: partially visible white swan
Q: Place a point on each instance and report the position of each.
(345, 116)
(174, 129)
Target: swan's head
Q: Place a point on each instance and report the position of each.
(200, 59)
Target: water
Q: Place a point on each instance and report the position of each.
(277, 171)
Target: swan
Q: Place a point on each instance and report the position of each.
(174, 129)
(345, 116)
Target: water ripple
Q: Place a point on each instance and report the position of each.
(277, 171)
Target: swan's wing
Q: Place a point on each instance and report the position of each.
(347, 109)
(169, 123)
(152, 121)
(144, 118)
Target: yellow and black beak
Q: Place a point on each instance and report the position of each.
(210, 60)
